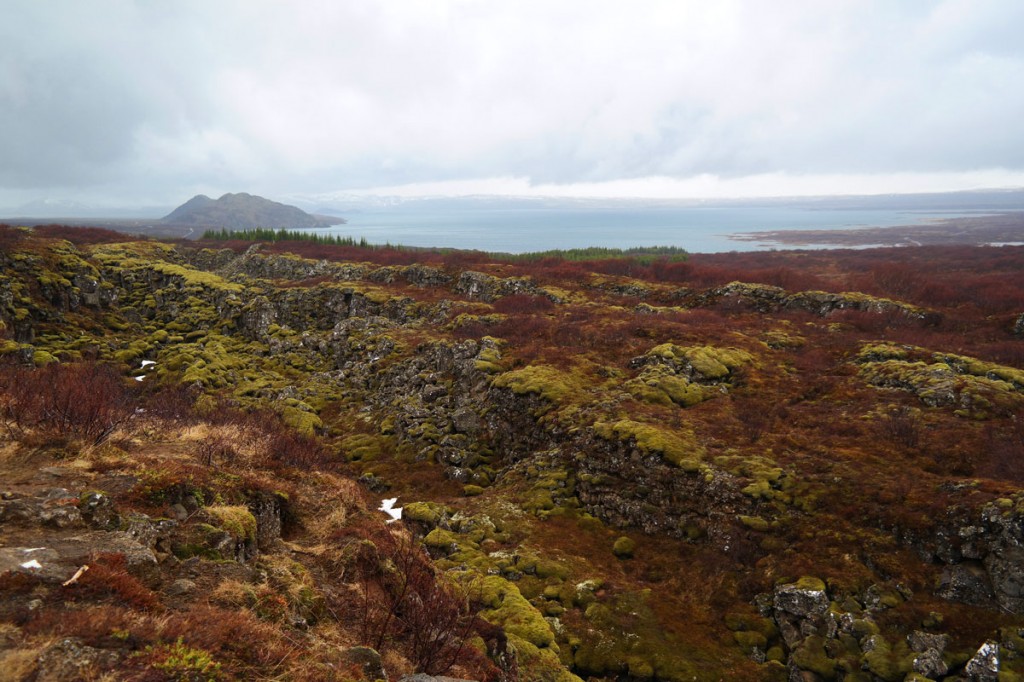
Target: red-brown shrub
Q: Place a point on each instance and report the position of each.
(80, 236)
(81, 400)
(108, 578)
(523, 303)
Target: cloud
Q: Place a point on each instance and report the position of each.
(160, 99)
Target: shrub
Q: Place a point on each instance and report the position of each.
(82, 400)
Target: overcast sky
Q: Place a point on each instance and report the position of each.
(151, 102)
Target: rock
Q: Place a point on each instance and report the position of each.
(70, 660)
(181, 587)
(63, 516)
(423, 677)
(930, 664)
(98, 511)
(368, 660)
(41, 562)
(433, 392)
(1018, 326)
(967, 583)
(803, 598)
(177, 511)
(266, 509)
(466, 420)
(923, 641)
(1006, 572)
(984, 666)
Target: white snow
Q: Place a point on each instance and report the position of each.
(32, 564)
(388, 507)
(147, 363)
(140, 378)
(29, 550)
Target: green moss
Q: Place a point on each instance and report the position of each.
(442, 541)
(678, 447)
(624, 547)
(363, 447)
(306, 423)
(809, 582)
(40, 358)
(506, 606)
(549, 383)
(750, 640)
(236, 520)
(811, 655)
(427, 513)
(755, 523)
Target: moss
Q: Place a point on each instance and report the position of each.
(306, 423)
(470, 490)
(716, 363)
(442, 541)
(624, 547)
(755, 523)
(809, 582)
(236, 520)
(549, 383)
(811, 655)
(678, 447)
(362, 447)
(41, 358)
(506, 606)
(750, 640)
(427, 513)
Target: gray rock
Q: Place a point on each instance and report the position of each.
(70, 660)
(967, 583)
(800, 601)
(177, 512)
(368, 660)
(63, 516)
(42, 562)
(923, 641)
(984, 666)
(181, 587)
(930, 664)
(466, 420)
(98, 511)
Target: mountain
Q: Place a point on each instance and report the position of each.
(244, 211)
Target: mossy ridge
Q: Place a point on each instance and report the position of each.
(679, 447)
(660, 385)
(938, 384)
(553, 385)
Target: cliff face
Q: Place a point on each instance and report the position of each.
(708, 484)
(243, 211)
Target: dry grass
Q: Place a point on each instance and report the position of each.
(18, 664)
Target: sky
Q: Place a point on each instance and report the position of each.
(146, 103)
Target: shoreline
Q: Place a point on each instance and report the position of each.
(993, 229)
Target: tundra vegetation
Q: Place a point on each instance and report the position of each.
(611, 466)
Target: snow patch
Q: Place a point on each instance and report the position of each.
(32, 564)
(388, 507)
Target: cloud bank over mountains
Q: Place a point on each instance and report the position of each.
(156, 101)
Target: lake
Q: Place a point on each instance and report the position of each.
(519, 230)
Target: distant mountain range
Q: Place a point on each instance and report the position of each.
(243, 211)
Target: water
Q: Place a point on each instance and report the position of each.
(519, 230)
